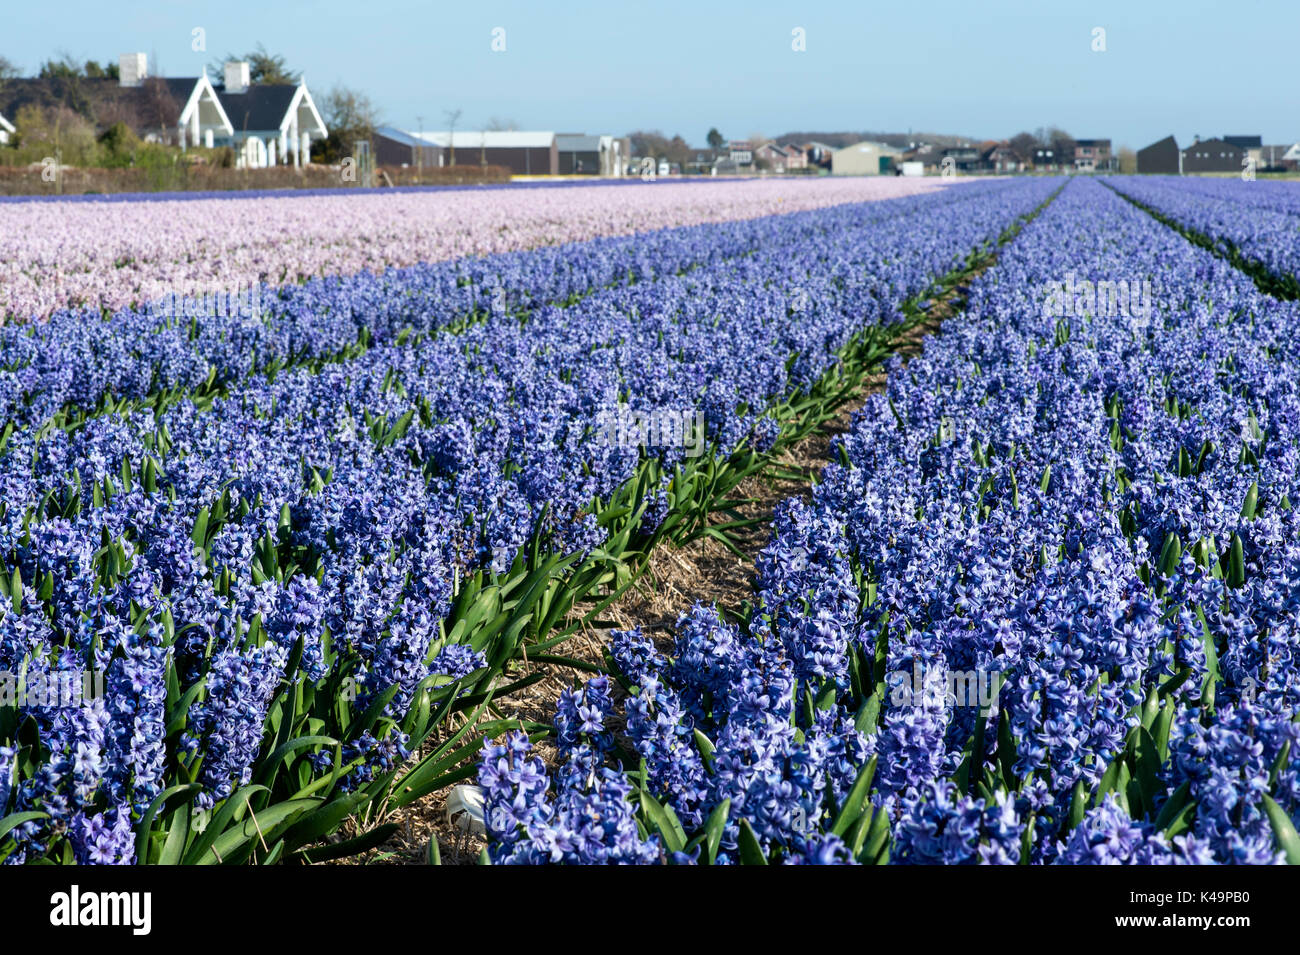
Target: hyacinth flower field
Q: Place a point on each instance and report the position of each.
(305, 510)
(109, 254)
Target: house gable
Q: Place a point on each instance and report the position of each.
(203, 110)
(305, 107)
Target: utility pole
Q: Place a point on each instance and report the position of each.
(419, 150)
(452, 115)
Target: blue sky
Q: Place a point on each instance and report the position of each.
(979, 69)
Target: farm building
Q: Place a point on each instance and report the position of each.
(1212, 155)
(524, 154)
(272, 123)
(393, 147)
(1252, 146)
(583, 155)
(864, 159)
(1161, 157)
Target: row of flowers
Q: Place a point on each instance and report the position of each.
(198, 338)
(297, 551)
(113, 254)
(1257, 221)
(1094, 511)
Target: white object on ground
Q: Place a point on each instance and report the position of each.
(465, 809)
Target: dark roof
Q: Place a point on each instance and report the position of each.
(1244, 142)
(1160, 142)
(1092, 142)
(259, 108)
(155, 102)
(1212, 143)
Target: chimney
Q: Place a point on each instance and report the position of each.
(133, 69)
(237, 76)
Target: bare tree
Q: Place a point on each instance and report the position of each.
(350, 117)
(498, 125)
(1023, 145)
(1062, 144)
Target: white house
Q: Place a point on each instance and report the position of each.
(272, 124)
(200, 121)
(180, 110)
(1289, 154)
(267, 125)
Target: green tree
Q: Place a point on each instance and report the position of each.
(63, 68)
(57, 131)
(715, 139)
(94, 71)
(265, 68)
(119, 146)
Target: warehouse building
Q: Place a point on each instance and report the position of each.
(583, 155)
(1160, 158)
(393, 147)
(1252, 146)
(1212, 155)
(523, 153)
(864, 159)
